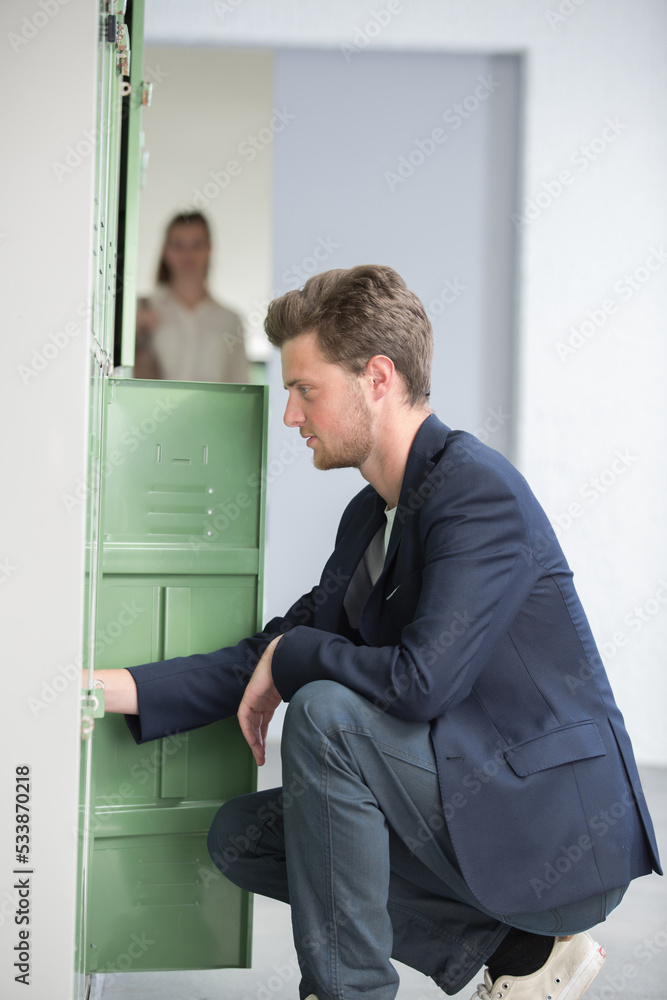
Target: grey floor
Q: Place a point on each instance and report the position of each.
(635, 937)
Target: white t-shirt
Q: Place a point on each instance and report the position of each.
(203, 344)
(368, 570)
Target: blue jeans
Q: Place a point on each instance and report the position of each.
(356, 842)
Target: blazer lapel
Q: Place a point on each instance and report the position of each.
(344, 560)
(422, 458)
(330, 616)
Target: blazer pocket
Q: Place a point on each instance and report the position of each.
(576, 741)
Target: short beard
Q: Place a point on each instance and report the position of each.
(350, 454)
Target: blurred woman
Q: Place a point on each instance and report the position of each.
(182, 332)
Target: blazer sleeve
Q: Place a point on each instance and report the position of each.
(187, 692)
(477, 571)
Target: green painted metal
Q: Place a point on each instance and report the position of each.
(132, 183)
(175, 531)
(100, 312)
(182, 515)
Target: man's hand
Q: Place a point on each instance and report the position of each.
(259, 702)
(120, 690)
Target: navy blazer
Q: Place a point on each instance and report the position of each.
(474, 625)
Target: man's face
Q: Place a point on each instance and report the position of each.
(327, 404)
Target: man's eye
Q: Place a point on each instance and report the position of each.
(304, 389)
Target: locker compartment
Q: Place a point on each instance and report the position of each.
(179, 572)
(160, 903)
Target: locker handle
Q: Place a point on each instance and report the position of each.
(92, 707)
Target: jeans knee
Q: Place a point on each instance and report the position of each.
(228, 838)
(219, 832)
(320, 705)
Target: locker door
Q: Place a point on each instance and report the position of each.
(112, 57)
(182, 519)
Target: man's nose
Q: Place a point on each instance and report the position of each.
(294, 415)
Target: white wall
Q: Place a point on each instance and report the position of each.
(206, 113)
(597, 60)
(359, 178)
(49, 68)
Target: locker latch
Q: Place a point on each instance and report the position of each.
(92, 707)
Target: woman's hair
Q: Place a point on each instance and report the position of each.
(182, 219)
(357, 313)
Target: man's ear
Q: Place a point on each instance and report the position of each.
(380, 372)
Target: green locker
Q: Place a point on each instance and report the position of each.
(181, 543)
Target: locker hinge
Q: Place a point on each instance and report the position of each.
(102, 358)
(123, 50)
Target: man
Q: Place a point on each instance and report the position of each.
(468, 793)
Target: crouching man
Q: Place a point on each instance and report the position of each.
(450, 724)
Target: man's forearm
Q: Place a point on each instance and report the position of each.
(120, 691)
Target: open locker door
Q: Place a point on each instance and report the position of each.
(182, 519)
(175, 547)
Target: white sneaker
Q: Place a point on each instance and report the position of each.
(311, 997)
(566, 975)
